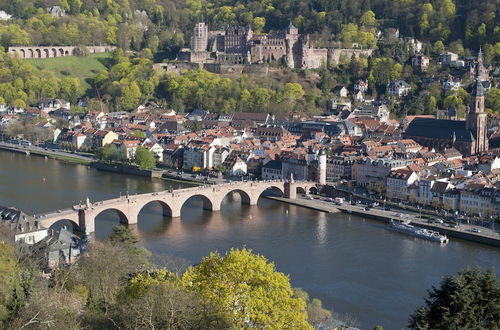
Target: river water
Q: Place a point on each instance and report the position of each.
(354, 265)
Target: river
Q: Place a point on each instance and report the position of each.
(354, 265)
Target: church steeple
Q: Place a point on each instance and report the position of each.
(476, 117)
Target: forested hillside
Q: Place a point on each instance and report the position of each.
(167, 24)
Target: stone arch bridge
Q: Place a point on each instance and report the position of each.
(128, 207)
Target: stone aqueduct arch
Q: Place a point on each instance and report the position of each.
(129, 207)
(53, 51)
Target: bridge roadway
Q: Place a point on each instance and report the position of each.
(128, 207)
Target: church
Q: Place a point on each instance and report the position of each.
(469, 136)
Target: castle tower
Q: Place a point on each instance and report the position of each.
(476, 117)
(199, 39)
(322, 167)
(291, 40)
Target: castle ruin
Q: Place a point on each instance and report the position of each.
(240, 45)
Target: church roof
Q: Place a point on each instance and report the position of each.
(439, 129)
(478, 89)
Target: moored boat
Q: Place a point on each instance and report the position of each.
(406, 228)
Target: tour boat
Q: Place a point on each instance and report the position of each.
(406, 228)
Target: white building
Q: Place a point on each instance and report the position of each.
(398, 183)
(198, 157)
(48, 105)
(398, 88)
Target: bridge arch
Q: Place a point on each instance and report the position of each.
(301, 190)
(30, 53)
(23, 53)
(38, 53)
(166, 209)
(245, 197)
(273, 189)
(69, 224)
(53, 52)
(207, 202)
(61, 52)
(46, 53)
(123, 217)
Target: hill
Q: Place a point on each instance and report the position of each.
(83, 68)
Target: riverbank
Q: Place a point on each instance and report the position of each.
(486, 236)
(71, 158)
(310, 204)
(57, 155)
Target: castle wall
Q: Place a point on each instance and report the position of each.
(314, 58)
(335, 54)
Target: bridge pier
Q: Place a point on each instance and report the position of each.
(84, 222)
(176, 213)
(290, 190)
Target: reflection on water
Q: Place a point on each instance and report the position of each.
(355, 266)
(322, 231)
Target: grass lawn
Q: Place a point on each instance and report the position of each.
(73, 66)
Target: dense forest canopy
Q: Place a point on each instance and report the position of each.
(167, 23)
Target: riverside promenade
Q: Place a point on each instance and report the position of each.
(485, 236)
(51, 153)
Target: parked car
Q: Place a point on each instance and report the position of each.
(367, 208)
(475, 230)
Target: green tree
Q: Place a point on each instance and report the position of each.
(249, 289)
(71, 89)
(157, 300)
(492, 102)
(8, 274)
(438, 47)
(368, 19)
(316, 314)
(144, 158)
(108, 153)
(130, 96)
(122, 235)
(258, 24)
(470, 300)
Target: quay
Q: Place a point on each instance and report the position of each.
(486, 236)
(45, 152)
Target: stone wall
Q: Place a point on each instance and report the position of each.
(314, 58)
(335, 54)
